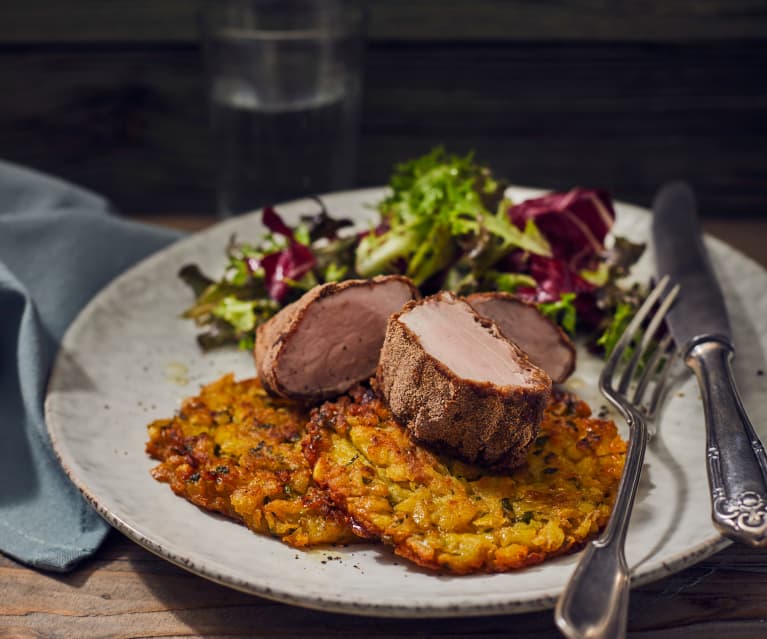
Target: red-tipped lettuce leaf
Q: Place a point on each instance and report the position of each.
(554, 278)
(575, 223)
(589, 313)
(291, 263)
(275, 223)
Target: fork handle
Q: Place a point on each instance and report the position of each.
(594, 603)
(737, 466)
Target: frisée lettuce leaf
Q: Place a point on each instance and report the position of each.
(446, 224)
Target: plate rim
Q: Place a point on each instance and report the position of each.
(679, 561)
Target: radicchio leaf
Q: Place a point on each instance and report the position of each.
(575, 223)
(288, 264)
(275, 223)
(553, 278)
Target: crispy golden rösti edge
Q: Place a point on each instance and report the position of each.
(236, 450)
(446, 515)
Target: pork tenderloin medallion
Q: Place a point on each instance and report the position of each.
(459, 385)
(328, 340)
(545, 343)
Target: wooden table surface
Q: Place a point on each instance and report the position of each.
(125, 591)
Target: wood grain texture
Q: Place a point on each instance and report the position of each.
(131, 121)
(85, 21)
(127, 592)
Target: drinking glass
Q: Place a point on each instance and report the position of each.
(284, 79)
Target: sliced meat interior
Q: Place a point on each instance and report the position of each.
(330, 339)
(458, 384)
(454, 336)
(545, 343)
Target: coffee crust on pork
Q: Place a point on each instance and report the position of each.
(544, 341)
(360, 346)
(478, 421)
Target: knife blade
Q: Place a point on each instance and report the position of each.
(680, 253)
(698, 322)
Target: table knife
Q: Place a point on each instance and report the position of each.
(737, 466)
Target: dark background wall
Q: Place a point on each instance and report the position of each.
(550, 93)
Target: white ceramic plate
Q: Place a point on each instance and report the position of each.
(129, 358)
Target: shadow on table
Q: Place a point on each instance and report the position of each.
(209, 609)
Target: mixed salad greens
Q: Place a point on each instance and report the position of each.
(447, 225)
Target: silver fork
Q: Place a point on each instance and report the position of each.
(594, 604)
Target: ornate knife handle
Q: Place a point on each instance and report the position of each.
(737, 466)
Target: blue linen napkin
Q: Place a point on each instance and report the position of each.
(58, 246)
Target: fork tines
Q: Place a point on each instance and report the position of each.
(644, 353)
